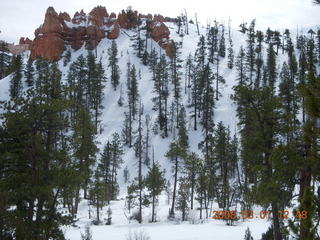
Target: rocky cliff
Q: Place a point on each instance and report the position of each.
(60, 30)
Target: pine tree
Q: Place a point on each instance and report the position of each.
(77, 78)
(202, 188)
(97, 92)
(155, 184)
(212, 41)
(16, 82)
(153, 59)
(113, 64)
(240, 67)
(277, 40)
(85, 150)
(133, 92)
(271, 67)
(259, 59)
(183, 196)
(162, 93)
(219, 78)
(230, 55)
(198, 80)
(34, 192)
(115, 164)
(189, 75)
(97, 194)
(92, 75)
(4, 60)
(138, 42)
(29, 73)
(222, 44)
(67, 57)
(105, 169)
(250, 51)
(175, 68)
(178, 152)
(192, 167)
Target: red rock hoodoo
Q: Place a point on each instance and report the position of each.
(59, 30)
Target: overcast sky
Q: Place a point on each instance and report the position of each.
(22, 17)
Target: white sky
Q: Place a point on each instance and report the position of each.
(22, 17)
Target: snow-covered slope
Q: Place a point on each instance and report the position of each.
(112, 121)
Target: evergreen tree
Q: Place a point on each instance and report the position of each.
(155, 184)
(138, 42)
(259, 59)
(202, 188)
(178, 152)
(212, 41)
(97, 194)
(77, 78)
(39, 161)
(67, 58)
(133, 92)
(219, 78)
(175, 68)
(4, 60)
(192, 167)
(85, 149)
(240, 67)
(222, 44)
(29, 73)
(105, 170)
(116, 152)
(198, 80)
(230, 55)
(250, 51)
(161, 89)
(16, 82)
(183, 196)
(113, 64)
(97, 92)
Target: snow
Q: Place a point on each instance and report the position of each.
(112, 121)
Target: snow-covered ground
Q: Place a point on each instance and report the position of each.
(112, 121)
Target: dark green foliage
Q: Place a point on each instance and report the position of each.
(25, 141)
(97, 194)
(230, 55)
(133, 92)
(240, 67)
(306, 223)
(222, 44)
(192, 168)
(113, 64)
(155, 184)
(212, 41)
(161, 89)
(84, 147)
(29, 73)
(177, 152)
(183, 196)
(16, 80)
(250, 51)
(5, 59)
(138, 43)
(67, 57)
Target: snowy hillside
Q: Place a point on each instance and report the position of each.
(112, 121)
